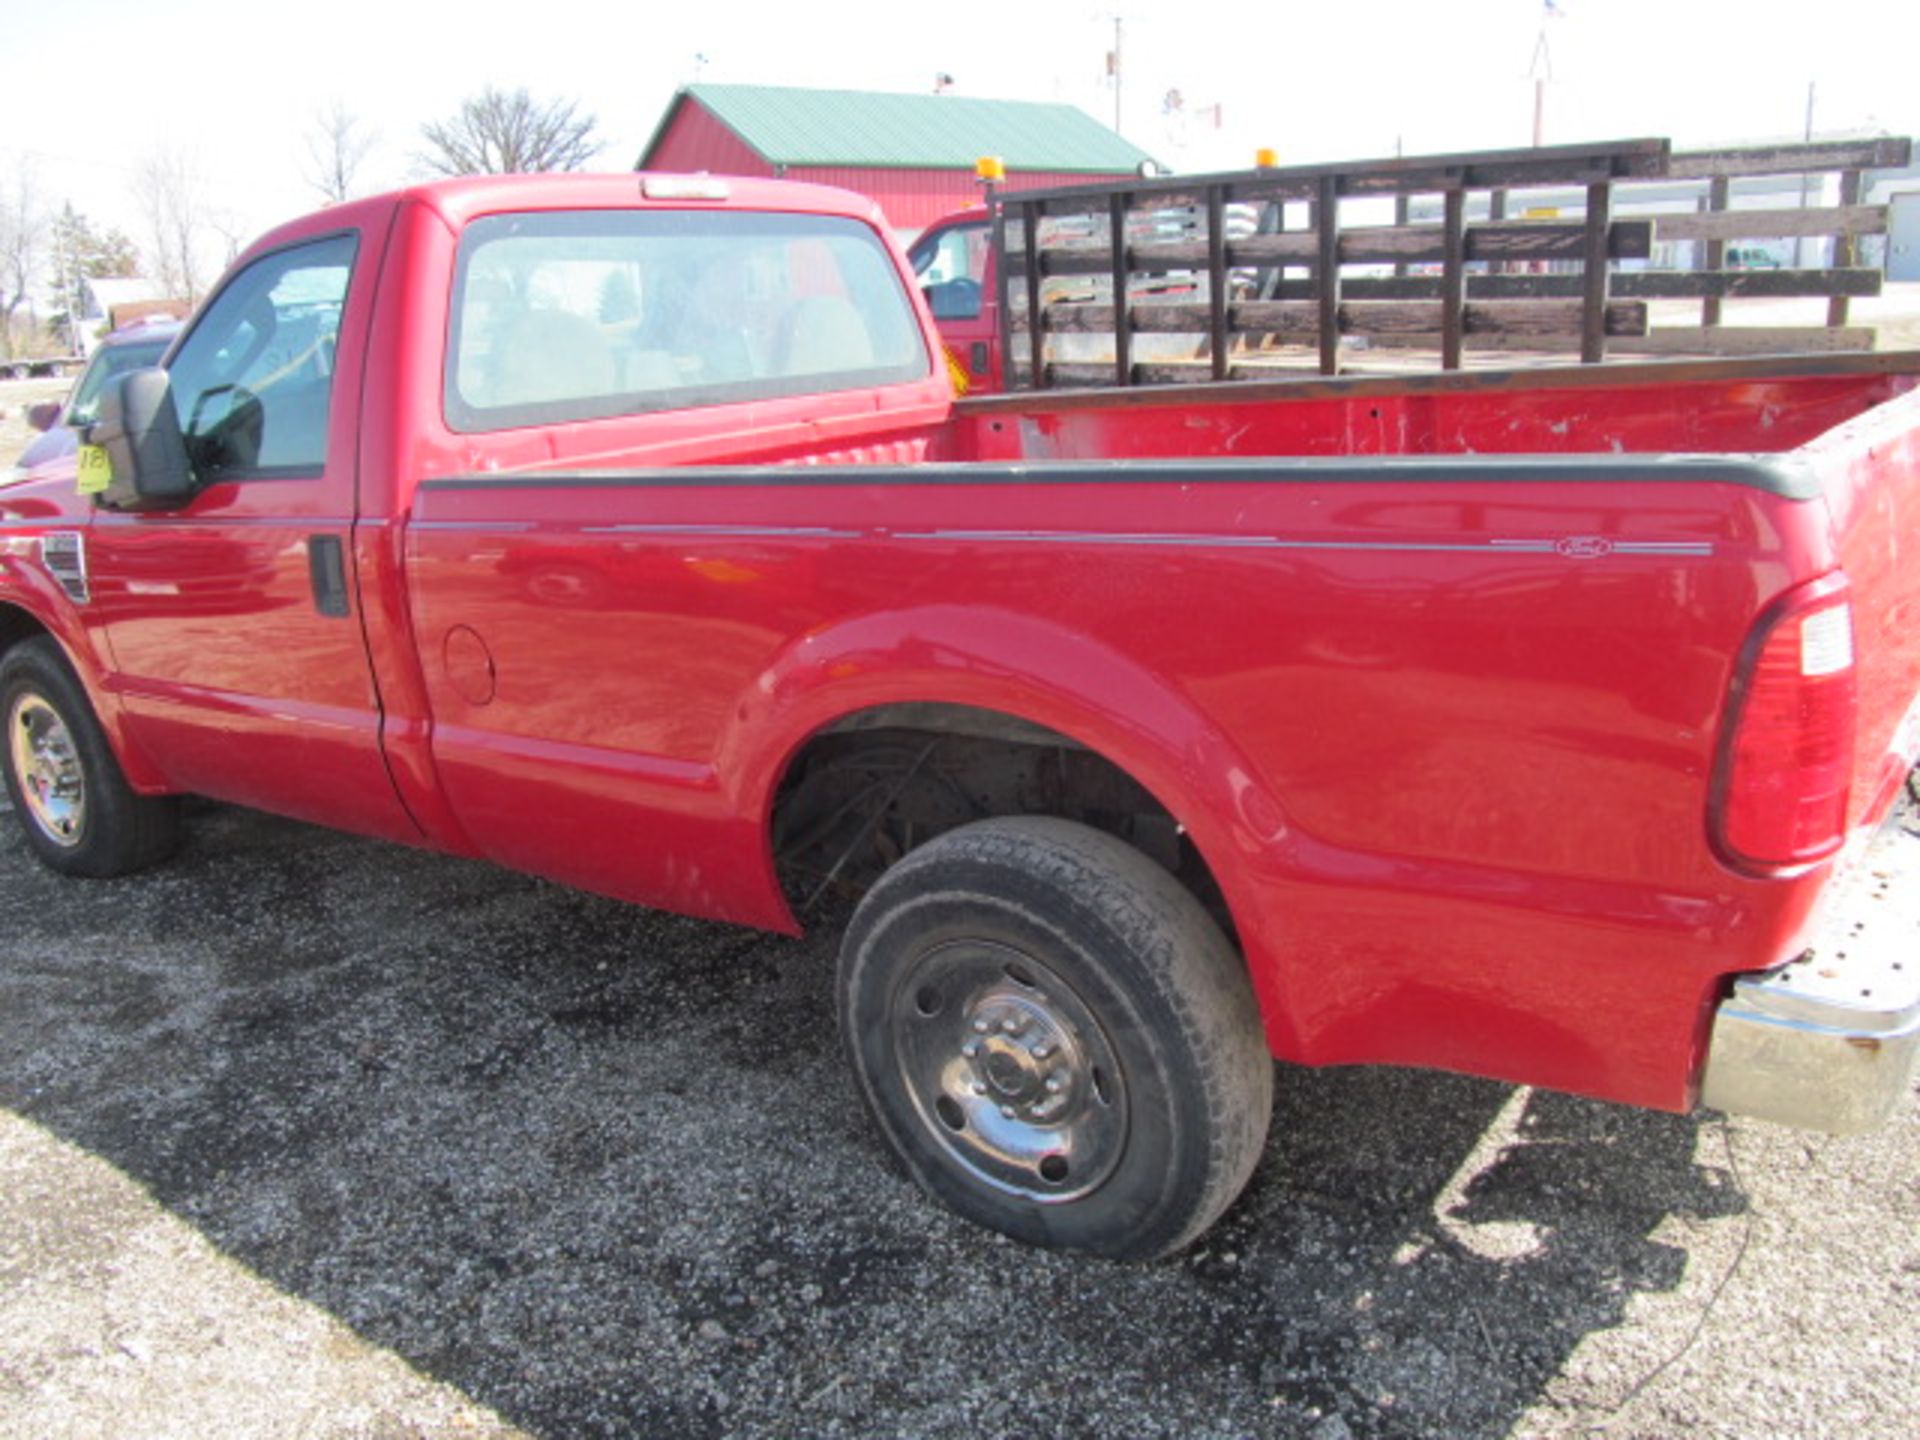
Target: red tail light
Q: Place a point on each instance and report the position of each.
(1786, 758)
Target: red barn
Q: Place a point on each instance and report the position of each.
(912, 153)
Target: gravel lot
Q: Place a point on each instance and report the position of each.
(308, 1135)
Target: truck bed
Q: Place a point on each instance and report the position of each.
(1664, 408)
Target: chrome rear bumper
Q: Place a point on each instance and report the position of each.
(1830, 1041)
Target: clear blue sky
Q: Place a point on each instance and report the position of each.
(235, 84)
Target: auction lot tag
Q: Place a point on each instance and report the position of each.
(96, 470)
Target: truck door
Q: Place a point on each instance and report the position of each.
(232, 621)
(954, 264)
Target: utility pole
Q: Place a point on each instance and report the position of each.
(1113, 69)
(1541, 69)
(1540, 73)
(66, 270)
(69, 267)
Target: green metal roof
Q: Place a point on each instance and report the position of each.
(941, 132)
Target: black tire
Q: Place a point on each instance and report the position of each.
(1056, 1039)
(90, 823)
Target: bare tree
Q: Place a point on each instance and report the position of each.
(172, 198)
(337, 146)
(233, 232)
(503, 132)
(23, 227)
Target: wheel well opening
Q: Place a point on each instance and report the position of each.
(17, 625)
(876, 784)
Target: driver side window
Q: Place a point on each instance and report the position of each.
(252, 384)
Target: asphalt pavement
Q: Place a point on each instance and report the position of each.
(305, 1135)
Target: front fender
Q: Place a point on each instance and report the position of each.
(1035, 670)
(32, 601)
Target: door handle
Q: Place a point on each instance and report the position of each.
(326, 564)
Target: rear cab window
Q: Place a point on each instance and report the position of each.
(951, 266)
(565, 316)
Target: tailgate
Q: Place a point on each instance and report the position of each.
(1870, 472)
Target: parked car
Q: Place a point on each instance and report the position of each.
(133, 348)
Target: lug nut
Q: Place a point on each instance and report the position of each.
(1013, 1025)
(1055, 1084)
(980, 1027)
(1041, 1052)
(970, 1049)
(1007, 1110)
(978, 1088)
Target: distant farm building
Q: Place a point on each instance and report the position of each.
(914, 154)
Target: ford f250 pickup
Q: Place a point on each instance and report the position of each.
(625, 530)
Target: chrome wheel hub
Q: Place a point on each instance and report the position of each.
(1009, 1070)
(47, 765)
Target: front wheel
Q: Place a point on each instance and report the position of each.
(79, 814)
(1056, 1038)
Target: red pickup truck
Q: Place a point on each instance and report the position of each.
(625, 530)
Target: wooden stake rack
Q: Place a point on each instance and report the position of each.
(1249, 266)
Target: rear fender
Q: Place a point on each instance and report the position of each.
(1037, 671)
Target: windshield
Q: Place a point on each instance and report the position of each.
(111, 361)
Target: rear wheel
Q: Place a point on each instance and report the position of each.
(1056, 1038)
(79, 815)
